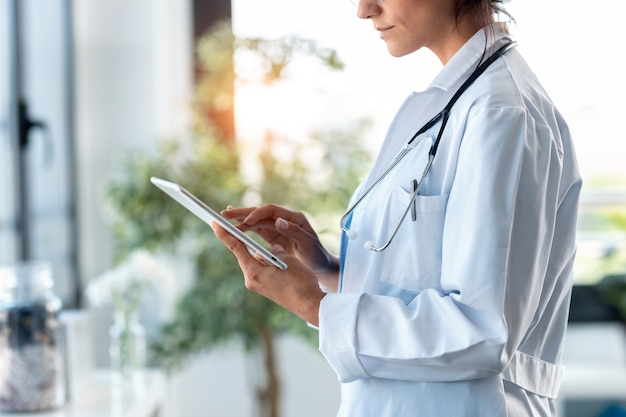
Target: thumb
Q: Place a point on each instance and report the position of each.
(278, 250)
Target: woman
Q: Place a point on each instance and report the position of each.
(462, 310)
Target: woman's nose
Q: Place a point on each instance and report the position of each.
(367, 8)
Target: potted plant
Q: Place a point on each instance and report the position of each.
(613, 291)
(612, 267)
(218, 308)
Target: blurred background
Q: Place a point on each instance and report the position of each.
(244, 102)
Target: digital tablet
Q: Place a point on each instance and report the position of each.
(207, 214)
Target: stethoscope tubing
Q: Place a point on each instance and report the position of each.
(370, 245)
(443, 115)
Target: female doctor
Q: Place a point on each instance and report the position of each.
(451, 294)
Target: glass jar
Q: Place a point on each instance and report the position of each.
(32, 374)
(128, 347)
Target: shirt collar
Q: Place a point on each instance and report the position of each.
(467, 57)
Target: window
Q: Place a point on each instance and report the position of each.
(37, 210)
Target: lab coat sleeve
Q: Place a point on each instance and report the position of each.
(497, 235)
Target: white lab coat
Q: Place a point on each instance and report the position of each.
(464, 313)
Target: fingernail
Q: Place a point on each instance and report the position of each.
(276, 248)
(282, 224)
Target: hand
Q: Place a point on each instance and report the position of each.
(295, 289)
(292, 231)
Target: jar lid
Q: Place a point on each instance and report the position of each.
(25, 280)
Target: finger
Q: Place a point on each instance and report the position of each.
(293, 231)
(236, 247)
(237, 213)
(268, 211)
(243, 254)
(279, 250)
(261, 226)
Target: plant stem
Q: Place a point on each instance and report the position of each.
(270, 394)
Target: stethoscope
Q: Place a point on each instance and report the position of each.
(443, 115)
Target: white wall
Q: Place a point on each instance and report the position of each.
(133, 87)
(219, 384)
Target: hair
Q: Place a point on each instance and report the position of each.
(482, 12)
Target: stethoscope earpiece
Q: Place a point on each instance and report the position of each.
(352, 234)
(369, 245)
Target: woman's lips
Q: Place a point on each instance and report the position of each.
(384, 31)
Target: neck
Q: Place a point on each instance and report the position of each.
(457, 37)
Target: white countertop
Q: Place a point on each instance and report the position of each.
(102, 398)
(593, 382)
